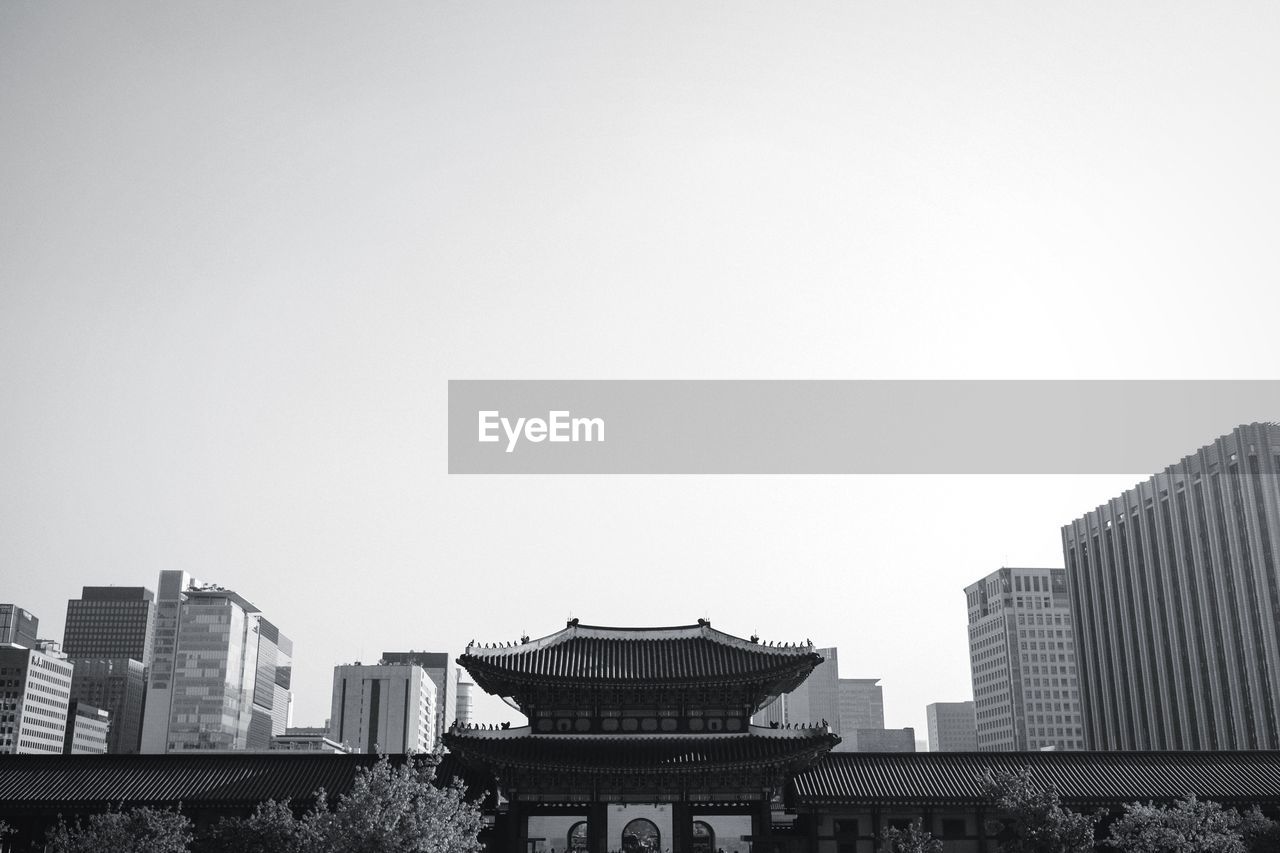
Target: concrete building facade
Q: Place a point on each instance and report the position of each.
(1023, 661)
(87, 730)
(879, 740)
(953, 726)
(1175, 588)
(35, 691)
(444, 675)
(385, 708)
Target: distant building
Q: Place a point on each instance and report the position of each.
(953, 727)
(307, 739)
(466, 702)
(386, 707)
(444, 675)
(861, 704)
(87, 730)
(1176, 591)
(1023, 661)
(880, 740)
(816, 699)
(18, 627)
(852, 707)
(221, 672)
(118, 686)
(110, 622)
(33, 702)
(109, 635)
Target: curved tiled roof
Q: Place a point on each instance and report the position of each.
(219, 779)
(1080, 777)
(639, 752)
(588, 653)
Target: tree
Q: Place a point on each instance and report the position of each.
(398, 810)
(388, 810)
(1032, 818)
(272, 828)
(1261, 834)
(140, 830)
(1187, 826)
(913, 839)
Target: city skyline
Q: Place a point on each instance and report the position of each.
(247, 249)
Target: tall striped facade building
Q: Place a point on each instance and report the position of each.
(1175, 592)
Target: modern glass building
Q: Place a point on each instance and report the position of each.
(221, 675)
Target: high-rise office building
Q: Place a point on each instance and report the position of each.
(386, 708)
(953, 726)
(1176, 591)
(108, 637)
(110, 622)
(35, 691)
(1023, 661)
(88, 728)
(444, 675)
(861, 704)
(221, 672)
(18, 627)
(118, 686)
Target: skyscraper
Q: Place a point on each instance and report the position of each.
(1023, 661)
(33, 702)
(221, 672)
(953, 726)
(861, 704)
(110, 622)
(108, 637)
(1176, 592)
(444, 675)
(17, 626)
(387, 707)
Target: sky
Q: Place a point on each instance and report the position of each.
(244, 246)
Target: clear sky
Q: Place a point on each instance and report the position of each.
(243, 247)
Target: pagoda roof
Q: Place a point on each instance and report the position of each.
(657, 752)
(593, 654)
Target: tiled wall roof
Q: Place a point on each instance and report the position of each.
(1080, 777)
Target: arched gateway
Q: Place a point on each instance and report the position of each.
(636, 729)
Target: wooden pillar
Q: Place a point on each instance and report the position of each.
(521, 829)
(681, 828)
(875, 827)
(762, 827)
(813, 820)
(982, 830)
(598, 828)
